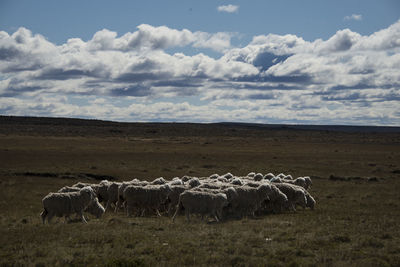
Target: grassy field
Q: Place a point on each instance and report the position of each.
(355, 223)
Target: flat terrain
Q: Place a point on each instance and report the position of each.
(356, 182)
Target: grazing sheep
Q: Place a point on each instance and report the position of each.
(203, 203)
(176, 181)
(251, 174)
(210, 185)
(300, 181)
(95, 208)
(222, 179)
(159, 181)
(308, 182)
(148, 197)
(295, 194)
(277, 202)
(276, 179)
(173, 197)
(214, 176)
(236, 181)
(269, 176)
(185, 178)
(64, 204)
(112, 192)
(193, 182)
(258, 177)
(81, 185)
(228, 175)
(121, 189)
(281, 175)
(249, 199)
(288, 177)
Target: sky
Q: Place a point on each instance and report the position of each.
(289, 61)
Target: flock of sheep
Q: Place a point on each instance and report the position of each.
(219, 196)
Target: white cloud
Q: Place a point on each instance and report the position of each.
(357, 17)
(228, 8)
(348, 78)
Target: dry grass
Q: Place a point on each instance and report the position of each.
(355, 222)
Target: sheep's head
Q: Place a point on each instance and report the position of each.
(230, 193)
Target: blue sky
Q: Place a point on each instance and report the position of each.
(311, 61)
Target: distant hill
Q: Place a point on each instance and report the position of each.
(70, 126)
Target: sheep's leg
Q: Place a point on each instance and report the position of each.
(49, 217)
(215, 216)
(187, 215)
(142, 214)
(82, 217)
(108, 205)
(158, 213)
(43, 215)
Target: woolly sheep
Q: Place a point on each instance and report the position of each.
(251, 174)
(277, 201)
(173, 197)
(159, 181)
(308, 181)
(95, 208)
(193, 182)
(112, 192)
(249, 199)
(185, 178)
(64, 204)
(294, 194)
(214, 176)
(80, 185)
(228, 175)
(176, 181)
(258, 177)
(222, 179)
(269, 176)
(148, 197)
(202, 203)
(281, 175)
(236, 181)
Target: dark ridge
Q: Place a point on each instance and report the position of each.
(89, 176)
(89, 127)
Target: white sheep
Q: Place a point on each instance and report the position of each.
(258, 177)
(202, 203)
(64, 204)
(269, 176)
(193, 182)
(308, 182)
(112, 193)
(159, 181)
(248, 199)
(148, 197)
(251, 174)
(294, 193)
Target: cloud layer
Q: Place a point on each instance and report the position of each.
(347, 79)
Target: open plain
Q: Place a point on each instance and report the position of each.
(355, 173)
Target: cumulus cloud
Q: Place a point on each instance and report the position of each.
(348, 78)
(228, 8)
(353, 17)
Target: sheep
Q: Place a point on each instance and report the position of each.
(214, 176)
(277, 202)
(288, 177)
(281, 175)
(294, 194)
(300, 181)
(64, 204)
(258, 177)
(203, 203)
(276, 179)
(251, 174)
(222, 179)
(210, 185)
(228, 175)
(249, 199)
(148, 197)
(101, 191)
(185, 178)
(193, 182)
(159, 181)
(309, 199)
(121, 189)
(176, 181)
(112, 192)
(236, 181)
(81, 185)
(173, 197)
(308, 182)
(95, 208)
(269, 176)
